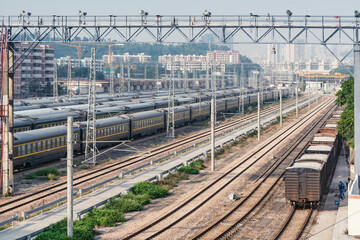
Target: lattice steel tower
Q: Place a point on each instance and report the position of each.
(90, 149)
(122, 79)
(170, 125)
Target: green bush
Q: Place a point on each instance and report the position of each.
(52, 176)
(188, 170)
(151, 190)
(140, 198)
(30, 176)
(105, 217)
(198, 164)
(124, 205)
(46, 172)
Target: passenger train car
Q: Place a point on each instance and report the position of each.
(47, 117)
(42, 145)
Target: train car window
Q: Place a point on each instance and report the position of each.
(53, 142)
(28, 148)
(39, 146)
(23, 150)
(58, 141)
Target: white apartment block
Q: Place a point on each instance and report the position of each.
(127, 58)
(77, 63)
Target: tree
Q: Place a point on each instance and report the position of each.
(346, 124)
(342, 69)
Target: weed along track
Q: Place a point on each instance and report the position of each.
(113, 169)
(199, 200)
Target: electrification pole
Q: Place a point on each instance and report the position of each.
(281, 116)
(7, 115)
(112, 87)
(90, 149)
(242, 86)
(259, 123)
(70, 176)
(68, 80)
(297, 100)
(207, 82)
(171, 106)
(128, 84)
(357, 110)
(56, 84)
(212, 144)
(122, 81)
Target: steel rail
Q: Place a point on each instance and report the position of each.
(212, 184)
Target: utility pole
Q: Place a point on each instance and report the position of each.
(7, 115)
(122, 81)
(70, 176)
(68, 80)
(56, 84)
(259, 123)
(212, 134)
(90, 149)
(128, 84)
(281, 115)
(170, 127)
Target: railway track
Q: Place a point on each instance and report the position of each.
(175, 216)
(59, 187)
(295, 224)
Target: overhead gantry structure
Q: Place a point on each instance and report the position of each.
(234, 29)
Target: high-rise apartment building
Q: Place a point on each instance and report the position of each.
(35, 71)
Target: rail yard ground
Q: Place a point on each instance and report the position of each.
(261, 224)
(262, 220)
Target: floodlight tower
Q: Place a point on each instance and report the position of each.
(90, 148)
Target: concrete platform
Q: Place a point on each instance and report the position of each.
(36, 224)
(331, 222)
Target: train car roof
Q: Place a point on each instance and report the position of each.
(40, 134)
(147, 114)
(138, 106)
(320, 148)
(330, 125)
(315, 156)
(323, 139)
(305, 165)
(112, 121)
(20, 122)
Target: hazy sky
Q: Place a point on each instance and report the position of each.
(186, 7)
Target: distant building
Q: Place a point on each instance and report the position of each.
(127, 58)
(37, 69)
(183, 62)
(77, 63)
(223, 57)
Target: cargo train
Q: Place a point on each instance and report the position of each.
(306, 179)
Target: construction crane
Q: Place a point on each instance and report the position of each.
(79, 48)
(110, 44)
